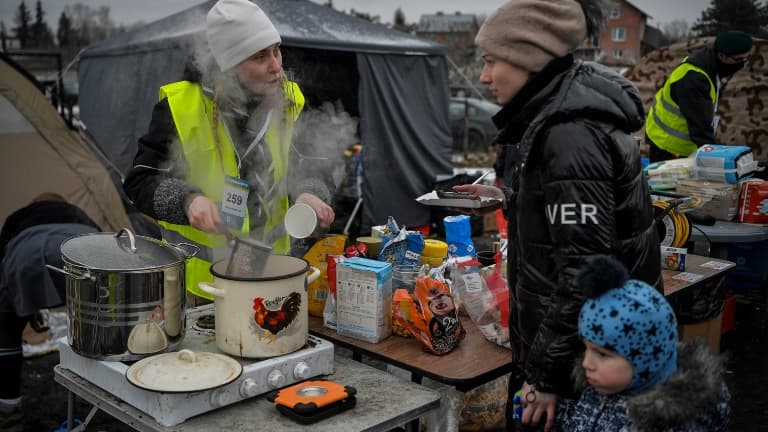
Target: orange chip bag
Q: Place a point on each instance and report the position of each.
(430, 315)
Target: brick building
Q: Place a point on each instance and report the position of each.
(626, 36)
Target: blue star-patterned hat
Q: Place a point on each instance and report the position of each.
(631, 318)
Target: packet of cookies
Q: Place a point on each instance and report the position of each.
(430, 315)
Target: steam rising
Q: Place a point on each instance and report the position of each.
(320, 135)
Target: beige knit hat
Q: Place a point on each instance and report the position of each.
(530, 33)
(236, 30)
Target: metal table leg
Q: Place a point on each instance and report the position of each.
(70, 409)
(414, 425)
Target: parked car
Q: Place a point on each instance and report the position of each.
(471, 118)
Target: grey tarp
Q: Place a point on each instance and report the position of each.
(402, 94)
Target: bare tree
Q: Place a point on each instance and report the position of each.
(676, 31)
(88, 24)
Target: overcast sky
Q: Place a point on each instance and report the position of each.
(131, 11)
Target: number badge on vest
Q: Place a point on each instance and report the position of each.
(234, 201)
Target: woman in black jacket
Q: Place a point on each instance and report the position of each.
(574, 187)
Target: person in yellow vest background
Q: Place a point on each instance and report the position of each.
(219, 152)
(683, 114)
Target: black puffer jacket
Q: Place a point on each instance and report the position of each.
(575, 189)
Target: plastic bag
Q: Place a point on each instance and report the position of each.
(329, 308)
(483, 408)
(458, 235)
(430, 315)
(479, 301)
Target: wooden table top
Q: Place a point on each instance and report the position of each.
(697, 264)
(474, 362)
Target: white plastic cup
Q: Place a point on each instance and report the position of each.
(300, 221)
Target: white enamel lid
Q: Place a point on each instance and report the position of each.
(183, 371)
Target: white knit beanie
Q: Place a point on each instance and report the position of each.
(530, 33)
(236, 30)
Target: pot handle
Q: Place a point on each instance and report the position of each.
(70, 274)
(131, 238)
(187, 249)
(313, 275)
(210, 289)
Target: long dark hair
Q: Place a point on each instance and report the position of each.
(594, 13)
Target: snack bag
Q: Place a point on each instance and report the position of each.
(458, 235)
(430, 315)
(400, 246)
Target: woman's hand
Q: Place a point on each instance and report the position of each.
(536, 404)
(479, 190)
(325, 213)
(203, 214)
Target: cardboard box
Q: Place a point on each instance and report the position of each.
(708, 330)
(720, 200)
(364, 299)
(489, 222)
(673, 258)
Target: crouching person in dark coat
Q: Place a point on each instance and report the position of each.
(637, 376)
(31, 237)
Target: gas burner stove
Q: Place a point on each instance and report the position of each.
(169, 409)
(204, 324)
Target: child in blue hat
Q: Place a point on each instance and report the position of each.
(637, 376)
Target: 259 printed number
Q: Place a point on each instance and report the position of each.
(234, 198)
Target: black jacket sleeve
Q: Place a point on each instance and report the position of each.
(692, 95)
(154, 183)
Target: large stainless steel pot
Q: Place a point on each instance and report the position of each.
(125, 294)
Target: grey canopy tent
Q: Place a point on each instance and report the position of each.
(396, 84)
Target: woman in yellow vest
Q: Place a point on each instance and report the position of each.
(682, 116)
(219, 153)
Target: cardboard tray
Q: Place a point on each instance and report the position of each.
(431, 199)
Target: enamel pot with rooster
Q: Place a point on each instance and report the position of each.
(264, 316)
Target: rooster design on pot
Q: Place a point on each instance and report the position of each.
(273, 320)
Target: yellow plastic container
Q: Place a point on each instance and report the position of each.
(434, 253)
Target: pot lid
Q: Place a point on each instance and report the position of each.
(183, 371)
(120, 251)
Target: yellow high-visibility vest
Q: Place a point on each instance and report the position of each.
(665, 124)
(192, 113)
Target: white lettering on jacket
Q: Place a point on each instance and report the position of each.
(566, 214)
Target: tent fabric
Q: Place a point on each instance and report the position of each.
(301, 23)
(402, 94)
(741, 107)
(390, 116)
(41, 154)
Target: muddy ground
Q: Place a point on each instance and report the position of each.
(45, 402)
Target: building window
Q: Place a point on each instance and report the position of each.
(615, 12)
(618, 53)
(618, 34)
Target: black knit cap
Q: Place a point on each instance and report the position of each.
(733, 42)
